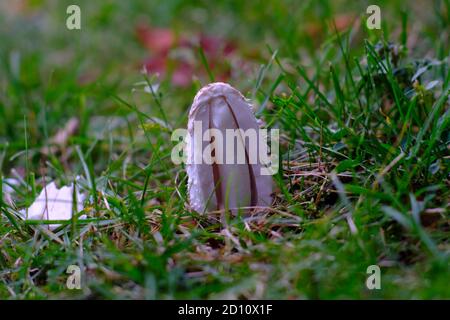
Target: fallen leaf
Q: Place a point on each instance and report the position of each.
(61, 138)
(174, 56)
(159, 40)
(215, 46)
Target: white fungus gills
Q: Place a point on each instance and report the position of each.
(218, 183)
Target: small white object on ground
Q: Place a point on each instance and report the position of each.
(54, 204)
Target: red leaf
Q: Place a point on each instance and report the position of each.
(157, 64)
(158, 40)
(215, 46)
(182, 75)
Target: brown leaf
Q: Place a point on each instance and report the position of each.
(62, 136)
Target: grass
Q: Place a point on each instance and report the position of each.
(365, 158)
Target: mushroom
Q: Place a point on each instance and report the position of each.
(225, 153)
